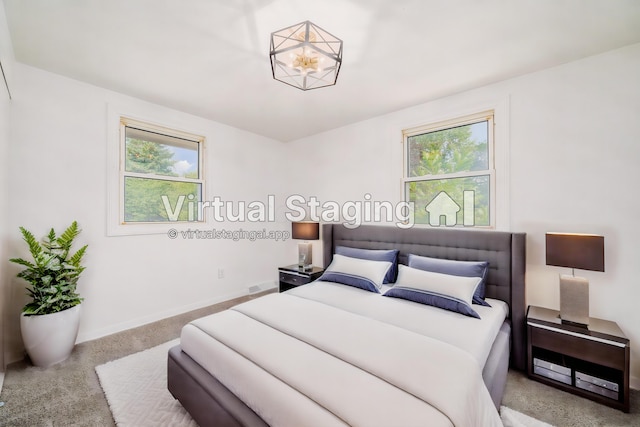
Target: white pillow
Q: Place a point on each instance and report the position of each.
(453, 293)
(356, 269)
(455, 286)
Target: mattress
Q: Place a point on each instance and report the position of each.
(296, 360)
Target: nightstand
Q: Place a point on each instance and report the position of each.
(292, 276)
(589, 361)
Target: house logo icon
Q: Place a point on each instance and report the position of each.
(444, 208)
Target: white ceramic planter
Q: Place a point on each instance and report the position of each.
(50, 338)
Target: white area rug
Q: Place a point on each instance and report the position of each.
(136, 389)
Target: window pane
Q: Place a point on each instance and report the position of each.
(456, 201)
(153, 153)
(143, 201)
(457, 149)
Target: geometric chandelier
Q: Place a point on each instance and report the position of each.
(305, 56)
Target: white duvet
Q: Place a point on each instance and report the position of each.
(297, 361)
(475, 336)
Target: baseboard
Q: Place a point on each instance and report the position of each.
(130, 324)
(264, 286)
(634, 383)
(14, 356)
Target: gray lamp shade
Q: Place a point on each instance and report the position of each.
(581, 251)
(305, 230)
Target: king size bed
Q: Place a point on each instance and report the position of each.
(406, 327)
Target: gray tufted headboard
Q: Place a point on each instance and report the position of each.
(504, 251)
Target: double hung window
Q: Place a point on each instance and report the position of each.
(161, 174)
(449, 172)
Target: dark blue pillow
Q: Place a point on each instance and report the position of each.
(350, 280)
(390, 255)
(455, 268)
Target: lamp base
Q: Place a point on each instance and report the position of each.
(574, 299)
(305, 252)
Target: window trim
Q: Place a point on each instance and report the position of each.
(117, 117)
(462, 120)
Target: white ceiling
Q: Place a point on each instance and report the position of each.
(210, 57)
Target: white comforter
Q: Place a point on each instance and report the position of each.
(475, 336)
(299, 362)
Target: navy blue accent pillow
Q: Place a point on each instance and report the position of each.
(390, 255)
(455, 268)
(445, 302)
(350, 280)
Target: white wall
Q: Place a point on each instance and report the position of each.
(4, 209)
(58, 170)
(571, 154)
(7, 60)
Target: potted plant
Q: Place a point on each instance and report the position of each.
(49, 322)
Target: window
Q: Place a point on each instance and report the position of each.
(449, 172)
(161, 174)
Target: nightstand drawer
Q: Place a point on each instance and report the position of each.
(551, 366)
(585, 378)
(294, 279)
(593, 388)
(579, 347)
(554, 375)
(293, 276)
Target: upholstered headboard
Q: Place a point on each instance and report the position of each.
(504, 251)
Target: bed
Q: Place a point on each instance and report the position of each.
(289, 368)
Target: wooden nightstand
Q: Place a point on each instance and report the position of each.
(292, 276)
(591, 362)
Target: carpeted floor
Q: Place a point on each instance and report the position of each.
(69, 394)
(563, 409)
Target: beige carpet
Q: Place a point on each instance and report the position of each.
(511, 418)
(136, 390)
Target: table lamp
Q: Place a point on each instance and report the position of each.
(581, 251)
(304, 230)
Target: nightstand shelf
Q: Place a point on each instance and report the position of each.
(292, 276)
(592, 362)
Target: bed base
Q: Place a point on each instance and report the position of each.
(496, 368)
(211, 404)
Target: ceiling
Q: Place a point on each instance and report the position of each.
(210, 57)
